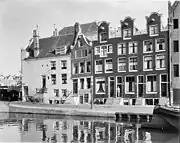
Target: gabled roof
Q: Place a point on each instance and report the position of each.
(86, 28)
(175, 4)
(65, 40)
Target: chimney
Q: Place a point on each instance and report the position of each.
(55, 32)
(36, 41)
(77, 28)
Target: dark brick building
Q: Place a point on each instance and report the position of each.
(132, 68)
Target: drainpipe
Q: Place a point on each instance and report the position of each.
(92, 87)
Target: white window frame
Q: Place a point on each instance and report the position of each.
(101, 51)
(121, 47)
(108, 48)
(131, 45)
(154, 92)
(95, 66)
(132, 64)
(118, 64)
(105, 68)
(156, 34)
(119, 84)
(144, 63)
(109, 85)
(127, 30)
(166, 82)
(157, 45)
(102, 78)
(97, 53)
(64, 62)
(100, 36)
(139, 83)
(134, 84)
(144, 47)
(56, 94)
(163, 68)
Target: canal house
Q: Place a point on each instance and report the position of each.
(81, 60)
(131, 69)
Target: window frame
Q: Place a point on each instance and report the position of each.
(63, 62)
(177, 44)
(163, 82)
(75, 69)
(100, 37)
(64, 79)
(153, 26)
(121, 47)
(134, 84)
(176, 74)
(145, 51)
(140, 83)
(134, 45)
(127, 33)
(97, 68)
(121, 92)
(53, 79)
(131, 64)
(176, 26)
(53, 65)
(153, 92)
(157, 45)
(144, 62)
(163, 68)
(80, 68)
(105, 68)
(124, 63)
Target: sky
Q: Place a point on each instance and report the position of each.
(18, 18)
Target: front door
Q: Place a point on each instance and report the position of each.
(43, 81)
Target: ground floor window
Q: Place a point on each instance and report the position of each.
(130, 84)
(151, 83)
(152, 101)
(111, 86)
(100, 85)
(164, 85)
(86, 98)
(50, 101)
(119, 86)
(75, 86)
(140, 84)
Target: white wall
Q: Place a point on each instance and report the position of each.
(33, 69)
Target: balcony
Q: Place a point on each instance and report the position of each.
(41, 90)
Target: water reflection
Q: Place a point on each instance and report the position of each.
(70, 130)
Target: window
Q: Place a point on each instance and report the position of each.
(175, 23)
(132, 63)
(119, 86)
(53, 65)
(147, 62)
(53, 79)
(80, 42)
(147, 46)
(64, 92)
(98, 66)
(133, 48)
(176, 70)
(86, 98)
(164, 85)
(56, 92)
(151, 84)
(75, 68)
(103, 51)
(108, 65)
(82, 83)
(103, 37)
(88, 83)
(121, 64)
(127, 33)
(64, 78)
(140, 84)
(153, 29)
(61, 50)
(160, 61)
(121, 48)
(176, 45)
(82, 67)
(160, 44)
(111, 87)
(75, 86)
(63, 64)
(88, 66)
(130, 84)
(110, 49)
(97, 50)
(81, 53)
(100, 85)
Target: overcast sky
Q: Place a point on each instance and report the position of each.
(19, 17)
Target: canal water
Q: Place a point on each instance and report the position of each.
(63, 129)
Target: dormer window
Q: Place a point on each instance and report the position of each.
(103, 37)
(127, 33)
(153, 30)
(61, 50)
(80, 42)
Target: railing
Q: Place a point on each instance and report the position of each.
(41, 90)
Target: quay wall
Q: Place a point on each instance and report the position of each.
(4, 106)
